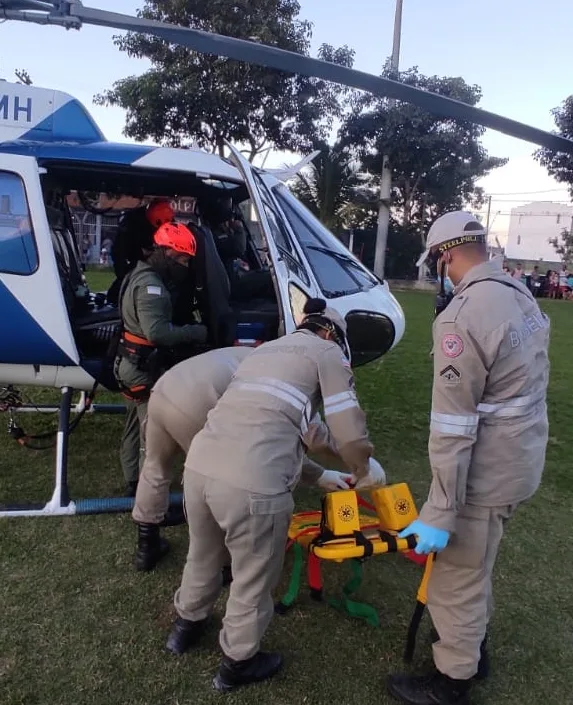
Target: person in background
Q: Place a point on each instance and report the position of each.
(134, 239)
(563, 283)
(535, 281)
(518, 272)
(554, 284)
(570, 285)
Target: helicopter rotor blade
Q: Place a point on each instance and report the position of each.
(291, 62)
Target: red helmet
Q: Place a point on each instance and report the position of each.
(159, 212)
(176, 236)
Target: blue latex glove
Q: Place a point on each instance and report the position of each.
(430, 539)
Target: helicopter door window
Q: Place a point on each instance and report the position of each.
(283, 243)
(18, 254)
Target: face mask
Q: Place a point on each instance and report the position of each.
(172, 272)
(443, 298)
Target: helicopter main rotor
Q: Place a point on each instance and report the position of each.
(72, 14)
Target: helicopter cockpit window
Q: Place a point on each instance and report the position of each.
(336, 271)
(18, 254)
(283, 243)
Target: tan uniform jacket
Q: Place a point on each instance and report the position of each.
(489, 427)
(194, 387)
(253, 439)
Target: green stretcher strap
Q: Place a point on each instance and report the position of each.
(358, 610)
(294, 583)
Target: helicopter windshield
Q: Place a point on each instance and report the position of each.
(337, 272)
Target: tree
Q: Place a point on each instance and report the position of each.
(435, 161)
(564, 245)
(191, 97)
(23, 77)
(558, 164)
(335, 191)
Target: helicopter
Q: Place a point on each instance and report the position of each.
(55, 331)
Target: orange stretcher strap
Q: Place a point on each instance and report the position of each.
(131, 338)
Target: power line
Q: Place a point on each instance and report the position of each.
(526, 215)
(514, 200)
(529, 193)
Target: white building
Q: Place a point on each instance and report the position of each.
(532, 225)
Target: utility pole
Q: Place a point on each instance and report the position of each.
(386, 181)
(490, 247)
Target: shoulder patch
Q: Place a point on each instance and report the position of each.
(452, 345)
(154, 290)
(451, 375)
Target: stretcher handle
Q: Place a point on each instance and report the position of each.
(344, 549)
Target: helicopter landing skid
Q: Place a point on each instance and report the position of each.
(60, 503)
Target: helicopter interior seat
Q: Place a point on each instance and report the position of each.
(213, 288)
(93, 326)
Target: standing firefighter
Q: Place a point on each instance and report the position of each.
(488, 438)
(177, 411)
(148, 333)
(239, 476)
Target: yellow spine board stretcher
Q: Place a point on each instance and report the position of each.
(340, 532)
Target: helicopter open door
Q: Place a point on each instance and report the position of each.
(37, 339)
(291, 280)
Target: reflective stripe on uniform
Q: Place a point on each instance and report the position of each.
(282, 390)
(455, 424)
(518, 406)
(337, 403)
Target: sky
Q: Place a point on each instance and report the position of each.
(519, 53)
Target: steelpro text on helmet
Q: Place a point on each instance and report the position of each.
(443, 299)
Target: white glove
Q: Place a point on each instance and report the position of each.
(332, 480)
(376, 476)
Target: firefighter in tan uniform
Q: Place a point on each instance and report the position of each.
(239, 476)
(176, 412)
(488, 438)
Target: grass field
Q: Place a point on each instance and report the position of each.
(79, 627)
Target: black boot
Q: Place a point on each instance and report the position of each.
(131, 489)
(233, 674)
(184, 634)
(227, 575)
(483, 664)
(174, 517)
(435, 689)
(151, 547)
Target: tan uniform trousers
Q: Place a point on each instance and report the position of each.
(460, 599)
(167, 430)
(254, 529)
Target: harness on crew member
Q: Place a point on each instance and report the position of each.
(139, 351)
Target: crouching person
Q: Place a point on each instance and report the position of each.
(239, 476)
(177, 410)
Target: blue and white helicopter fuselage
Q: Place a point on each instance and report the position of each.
(51, 147)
